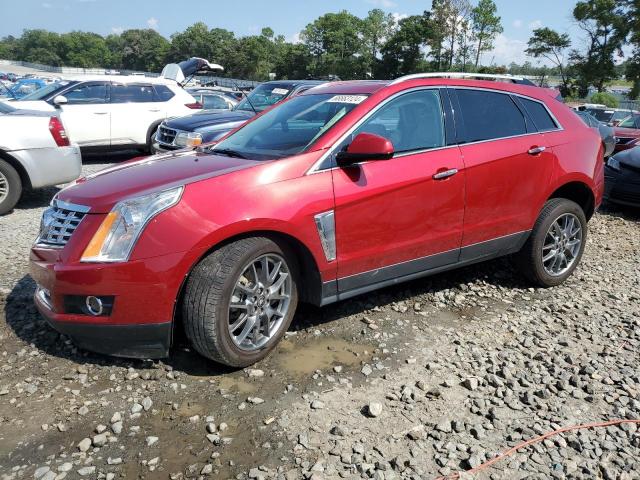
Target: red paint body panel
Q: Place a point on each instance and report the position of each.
(392, 211)
(386, 212)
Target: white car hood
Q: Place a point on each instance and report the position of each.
(39, 105)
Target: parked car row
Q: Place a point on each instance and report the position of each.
(339, 190)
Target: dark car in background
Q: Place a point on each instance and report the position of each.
(628, 133)
(606, 132)
(622, 178)
(214, 99)
(209, 126)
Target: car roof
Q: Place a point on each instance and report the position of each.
(369, 87)
(294, 83)
(121, 79)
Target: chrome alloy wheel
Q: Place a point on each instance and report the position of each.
(259, 302)
(562, 244)
(4, 187)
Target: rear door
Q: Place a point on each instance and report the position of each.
(508, 169)
(86, 116)
(134, 107)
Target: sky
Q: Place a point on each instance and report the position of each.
(286, 17)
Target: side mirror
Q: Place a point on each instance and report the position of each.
(60, 100)
(366, 146)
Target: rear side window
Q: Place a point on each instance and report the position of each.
(489, 115)
(539, 115)
(131, 93)
(214, 102)
(163, 93)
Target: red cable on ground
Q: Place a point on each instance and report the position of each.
(488, 463)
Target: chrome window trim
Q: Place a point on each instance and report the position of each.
(326, 226)
(315, 168)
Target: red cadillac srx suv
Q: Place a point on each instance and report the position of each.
(344, 189)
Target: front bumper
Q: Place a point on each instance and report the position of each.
(50, 166)
(144, 293)
(164, 148)
(622, 186)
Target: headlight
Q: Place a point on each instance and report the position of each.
(614, 163)
(119, 231)
(188, 139)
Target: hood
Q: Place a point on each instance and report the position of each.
(180, 71)
(102, 190)
(629, 157)
(198, 120)
(626, 132)
(39, 105)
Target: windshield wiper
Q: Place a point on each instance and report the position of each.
(228, 152)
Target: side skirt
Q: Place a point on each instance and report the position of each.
(347, 287)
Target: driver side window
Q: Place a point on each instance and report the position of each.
(87, 93)
(412, 122)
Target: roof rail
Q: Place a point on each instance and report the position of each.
(485, 76)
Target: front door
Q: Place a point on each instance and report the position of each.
(398, 217)
(86, 115)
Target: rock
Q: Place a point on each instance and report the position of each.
(366, 370)
(136, 408)
(317, 405)
(255, 400)
(470, 383)
(65, 467)
(41, 472)
(147, 403)
(207, 469)
(116, 428)
(100, 440)
(151, 440)
(84, 444)
(116, 417)
(374, 409)
(255, 373)
(85, 471)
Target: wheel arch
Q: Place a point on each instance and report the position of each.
(310, 290)
(24, 175)
(579, 192)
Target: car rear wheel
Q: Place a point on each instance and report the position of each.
(10, 187)
(240, 300)
(557, 241)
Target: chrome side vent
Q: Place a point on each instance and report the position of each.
(326, 225)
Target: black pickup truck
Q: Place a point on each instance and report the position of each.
(210, 125)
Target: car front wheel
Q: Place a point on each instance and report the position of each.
(557, 241)
(240, 300)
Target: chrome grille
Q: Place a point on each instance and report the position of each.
(166, 135)
(59, 221)
(624, 140)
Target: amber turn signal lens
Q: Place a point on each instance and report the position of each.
(95, 245)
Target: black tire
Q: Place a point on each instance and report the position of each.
(208, 291)
(9, 177)
(529, 259)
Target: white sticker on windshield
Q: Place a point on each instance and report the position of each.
(279, 91)
(355, 99)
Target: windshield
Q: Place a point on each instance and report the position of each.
(602, 115)
(263, 96)
(44, 91)
(630, 122)
(290, 128)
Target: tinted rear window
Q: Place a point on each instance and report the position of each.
(539, 115)
(163, 93)
(489, 115)
(131, 93)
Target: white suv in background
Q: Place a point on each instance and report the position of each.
(112, 112)
(34, 152)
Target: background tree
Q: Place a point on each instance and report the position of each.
(632, 69)
(403, 52)
(549, 44)
(486, 26)
(335, 41)
(377, 27)
(144, 50)
(605, 26)
(83, 49)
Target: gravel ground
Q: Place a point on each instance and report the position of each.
(416, 381)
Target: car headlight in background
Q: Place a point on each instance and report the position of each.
(188, 139)
(117, 235)
(614, 163)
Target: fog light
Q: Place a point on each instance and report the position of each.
(94, 306)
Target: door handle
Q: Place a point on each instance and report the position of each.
(100, 113)
(445, 174)
(156, 110)
(536, 150)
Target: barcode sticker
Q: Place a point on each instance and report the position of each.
(355, 99)
(279, 91)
